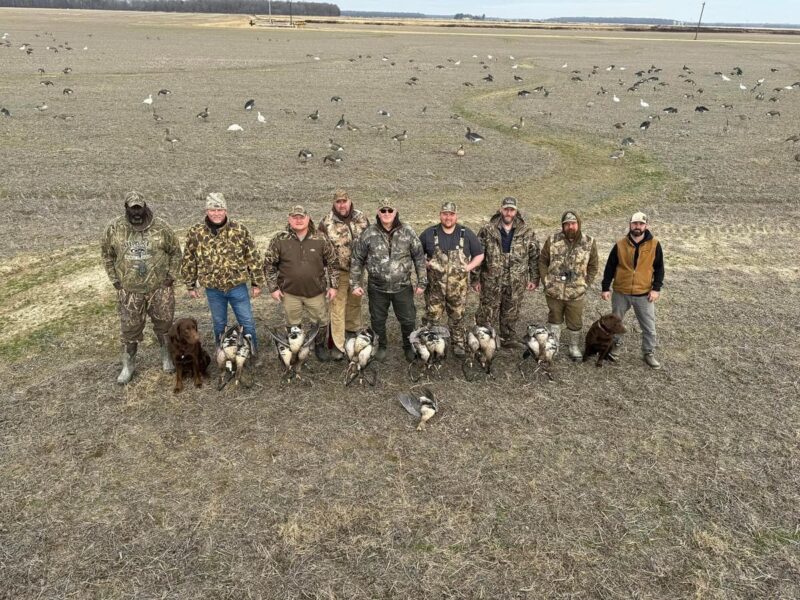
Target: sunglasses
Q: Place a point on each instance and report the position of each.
(386, 210)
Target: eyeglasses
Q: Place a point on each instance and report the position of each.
(386, 210)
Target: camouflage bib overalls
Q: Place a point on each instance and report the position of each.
(448, 281)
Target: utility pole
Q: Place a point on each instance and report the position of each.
(696, 31)
(290, 13)
(270, 10)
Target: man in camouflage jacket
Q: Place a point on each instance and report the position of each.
(568, 264)
(220, 255)
(510, 266)
(300, 267)
(390, 251)
(343, 225)
(142, 258)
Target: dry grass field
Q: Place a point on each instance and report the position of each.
(617, 482)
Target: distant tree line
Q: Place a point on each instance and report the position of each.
(325, 9)
(460, 16)
(366, 14)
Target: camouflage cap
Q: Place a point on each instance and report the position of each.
(639, 217)
(509, 202)
(133, 198)
(298, 210)
(569, 217)
(341, 194)
(216, 201)
(387, 203)
(449, 207)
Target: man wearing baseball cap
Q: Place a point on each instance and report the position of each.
(300, 266)
(636, 266)
(342, 226)
(452, 252)
(142, 258)
(389, 250)
(568, 264)
(220, 255)
(510, 267)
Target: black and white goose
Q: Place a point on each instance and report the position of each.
(334, 146)
(203, 114)
(482, 346)
(304, 155)
(250, 104)
(234, 349)
(360, 350)
(400, 138)
(422, 406)
(293, 348)
(171, 139)
(473, 136)
(314, 116)
(164, 92)
(542, 345)
(340, 123)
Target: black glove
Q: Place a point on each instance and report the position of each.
(117, 285)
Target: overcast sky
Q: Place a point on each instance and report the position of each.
(729, 11)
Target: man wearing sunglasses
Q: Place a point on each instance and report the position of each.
(389, 251)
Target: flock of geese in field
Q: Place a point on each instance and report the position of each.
(745, 96)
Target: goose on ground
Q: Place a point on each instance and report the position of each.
(643, 104)
(67, 91)
(615, 98)
(700, 109)
(351, 127)
(148, 101)
(334, 146)
(171, 139)
(523, 93)
(336, 98)
(304, 154)
(250, 104)
(518, 78)
(617, 154)
(164, 92)
(261, 118)
(340, 123)
(235, 127)
(520, 125)
(332, 159)
(314, 116)
(460, 150)
(400, 138)
(645, 125)
(384, 113)
(5, 112)
(619, 125)
(203, 114)
(473, 136)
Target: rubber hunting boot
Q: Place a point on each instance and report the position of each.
(574, 338)
(166, 358)
(128, 363)
(321, 344)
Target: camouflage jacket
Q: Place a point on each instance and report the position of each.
(520, 265)
(140, 259)
(221, 261)
(569, 268)
(389, 258)
(343, 234)
(301, 267)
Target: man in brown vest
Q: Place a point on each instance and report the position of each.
(636, 265)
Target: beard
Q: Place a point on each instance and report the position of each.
(637, 232)
(137, 215)
(571, 235)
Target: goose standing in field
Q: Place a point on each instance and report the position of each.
(351, 127)
(645, 125)
(314, 116)
(460, 150)
(643, 104)
(164, 92)
(520, 125)
(250, 104)
(42, 107)
(157, 117)
(304, 155)
(400, 138)
(619, 125)
(203, 114)
(332, 159)
(67, 91)
(340, 123)
(171, 139)
(336, 98)
(473, 136)
(148, 102)
(334, 146)
(700, 109)
(384, 113)
(5, 112)
(617, 154)
(523, 93)
(482, 344)
(261, 118)
(518, 78)
(615, 98)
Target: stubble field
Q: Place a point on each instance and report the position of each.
(617, 482)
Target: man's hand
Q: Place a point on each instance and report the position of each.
(605, 296)
(357, 291)
(256, 291)
(653, 296)
(532, 285)
(331, 294)
(419, 290)
(194, 294)
(277, 295)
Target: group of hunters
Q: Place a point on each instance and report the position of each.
(318, 270)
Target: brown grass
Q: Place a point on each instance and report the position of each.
(609, 483)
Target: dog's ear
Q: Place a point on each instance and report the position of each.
(172, 334)
(193, 320)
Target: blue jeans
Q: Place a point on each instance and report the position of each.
(239, 299)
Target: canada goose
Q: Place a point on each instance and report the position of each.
(619, 125)
(249, 104)
(336, 98)
(617, 154)
(67, 91)
(203, 114)
(304, 155)
(460, 151)
(473, 136)
(384, 113)
(520, 125)
(332, 159)
(334, 146)
(645, 125)
(314, 116)
(171, 139)
(164, 92)
(700, 109)
(340, 123)
(422, 405)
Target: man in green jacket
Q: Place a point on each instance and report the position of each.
(568, 264)
(389, 250)
(301, 271)
(142, 258)
(510, 267)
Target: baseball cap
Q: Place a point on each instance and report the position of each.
(341, 194)
(298, 210)
(639, 217)
(509, 202)
(134, 199)
(449, 207)
(215, 200)
(386, 203)
(569, 217)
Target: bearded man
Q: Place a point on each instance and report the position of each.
(568, 263)
(142, 257)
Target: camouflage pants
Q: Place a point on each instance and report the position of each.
(499, 308)
(134, 307)
(447, 293)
